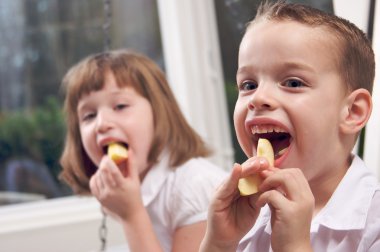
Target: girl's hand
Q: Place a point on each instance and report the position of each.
(119, 193)
(291, 201)
(231, 215)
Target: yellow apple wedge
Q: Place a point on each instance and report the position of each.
(117, 152)
(250, 185)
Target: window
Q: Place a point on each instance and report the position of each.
(40, 40)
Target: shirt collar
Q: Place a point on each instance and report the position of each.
(350, 201)
(155, 178)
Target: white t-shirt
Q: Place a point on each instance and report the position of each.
(175, 197)
(350, 221)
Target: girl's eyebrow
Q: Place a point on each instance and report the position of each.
(82, 106)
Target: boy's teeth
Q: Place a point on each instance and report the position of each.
(261, 129)
(281, 152)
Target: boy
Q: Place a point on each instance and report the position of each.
(305, 81)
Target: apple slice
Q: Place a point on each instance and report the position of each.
(117, 152)
(250, 185)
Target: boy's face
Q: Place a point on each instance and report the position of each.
(115, 114)
(290, 92)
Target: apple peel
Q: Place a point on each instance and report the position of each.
(117, 152)
(250, 185)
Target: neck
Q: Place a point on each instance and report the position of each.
(324, 186)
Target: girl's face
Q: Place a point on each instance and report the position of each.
(291, 92)
(116, 114)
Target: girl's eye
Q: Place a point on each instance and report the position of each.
(120, 106)
(293, 83)
(248, 85)
(88, 116)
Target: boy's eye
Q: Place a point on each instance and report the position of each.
(248, 85)
(293, 83)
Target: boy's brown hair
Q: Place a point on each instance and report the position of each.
(171, 130)
(356, 60)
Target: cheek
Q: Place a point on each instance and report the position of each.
(239, 124)
(89, 145)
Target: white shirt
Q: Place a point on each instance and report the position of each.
(350, 221)
(179, 196)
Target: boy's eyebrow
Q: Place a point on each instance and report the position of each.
(296, 65)
(282, 65)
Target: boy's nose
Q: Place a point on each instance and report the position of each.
(262, 99)
(103, 122)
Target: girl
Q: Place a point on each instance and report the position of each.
(160, 194)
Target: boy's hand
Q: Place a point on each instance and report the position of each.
(231, 215)
(291, 201)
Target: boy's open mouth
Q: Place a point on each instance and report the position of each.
(278, 137)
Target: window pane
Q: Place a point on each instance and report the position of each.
(40, 40)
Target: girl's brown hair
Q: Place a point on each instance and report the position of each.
(171, 130)
(356, 58)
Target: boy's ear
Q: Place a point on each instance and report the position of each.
(356, 111)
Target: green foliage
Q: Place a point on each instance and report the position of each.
(37, 134)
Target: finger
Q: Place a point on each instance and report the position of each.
(93, 186)
(108, 179)
(110, 172)
(290, 182)
(97, 186)
(229, 188)
(254, 165)
(272, 197)
(132, 169)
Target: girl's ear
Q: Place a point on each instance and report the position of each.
(356, 111)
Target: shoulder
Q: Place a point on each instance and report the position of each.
(197, 174)
(371, 233)
(201, 167)
(373, 211)
(192, 186)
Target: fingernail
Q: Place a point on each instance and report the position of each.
(261, 162)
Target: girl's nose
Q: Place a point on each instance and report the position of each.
(103, 122)
(262, 99)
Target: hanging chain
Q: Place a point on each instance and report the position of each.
(107, 24)
(107, 42)
(103, 232)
